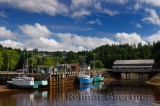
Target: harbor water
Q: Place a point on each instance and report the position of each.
(96, 94)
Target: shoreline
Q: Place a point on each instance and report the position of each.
(3, 88)
(154, 80)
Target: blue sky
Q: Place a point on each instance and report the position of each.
(77, 24)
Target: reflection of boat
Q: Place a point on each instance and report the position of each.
(98, 78)
(21, 83)
(98, 83)
(42, 94)
(82, 87)
(85, 79)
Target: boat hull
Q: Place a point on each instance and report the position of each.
(41, 84)
(98, 78)
(14, 86)
(85, 81)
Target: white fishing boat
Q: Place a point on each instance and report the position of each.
(21, 83)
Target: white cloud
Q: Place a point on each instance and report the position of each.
(153, 18)
(88, 43)
(97, 21)
(137, 6)
(51, 7)
(138, 26)
(81, 13)
(43, 44)
(3, 14)
(80, 3)
(98, 5)
(35, 31)
(132, 38)
(4, 33)
(152, 2)
(117, 1)
(12, 44)
(154, 37)
(110, 12)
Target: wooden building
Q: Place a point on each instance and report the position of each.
(133, 65)
(62, 67)
(46, 68)
(74, 66)
(69, 67)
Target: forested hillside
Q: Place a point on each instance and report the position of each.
(104, 56)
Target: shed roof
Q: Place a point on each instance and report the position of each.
(44, 66)
(62, 65)
(147, 61)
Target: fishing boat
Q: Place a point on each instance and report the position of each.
(21, 83)
(42, 83)
(85, 79)
(26, 83)
(98, 78)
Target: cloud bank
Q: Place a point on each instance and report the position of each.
(39, 36)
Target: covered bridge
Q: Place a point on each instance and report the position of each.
(133, 65)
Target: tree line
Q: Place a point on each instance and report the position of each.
(102, 57)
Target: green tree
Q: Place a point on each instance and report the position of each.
(1, 60)
(70, 57)
(97, 63)
(30, 62)
(13, 59)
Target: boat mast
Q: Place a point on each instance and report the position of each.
(94, 65)
(24, 62)
(27, 64)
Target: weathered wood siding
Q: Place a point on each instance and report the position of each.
(133, 65)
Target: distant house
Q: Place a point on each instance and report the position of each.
(133, 65)
(68, 67)
(64, 54)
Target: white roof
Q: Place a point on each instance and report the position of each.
(147, 61)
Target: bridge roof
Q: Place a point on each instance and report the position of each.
(146, 61)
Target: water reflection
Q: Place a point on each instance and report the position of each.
(97, 94)
(83, 87)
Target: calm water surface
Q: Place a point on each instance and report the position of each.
(98, 94)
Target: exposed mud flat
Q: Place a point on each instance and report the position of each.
(154, 81)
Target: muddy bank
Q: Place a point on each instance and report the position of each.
(3, 88)
(108, 79)
(154, 80)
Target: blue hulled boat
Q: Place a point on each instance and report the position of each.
(85, 79)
